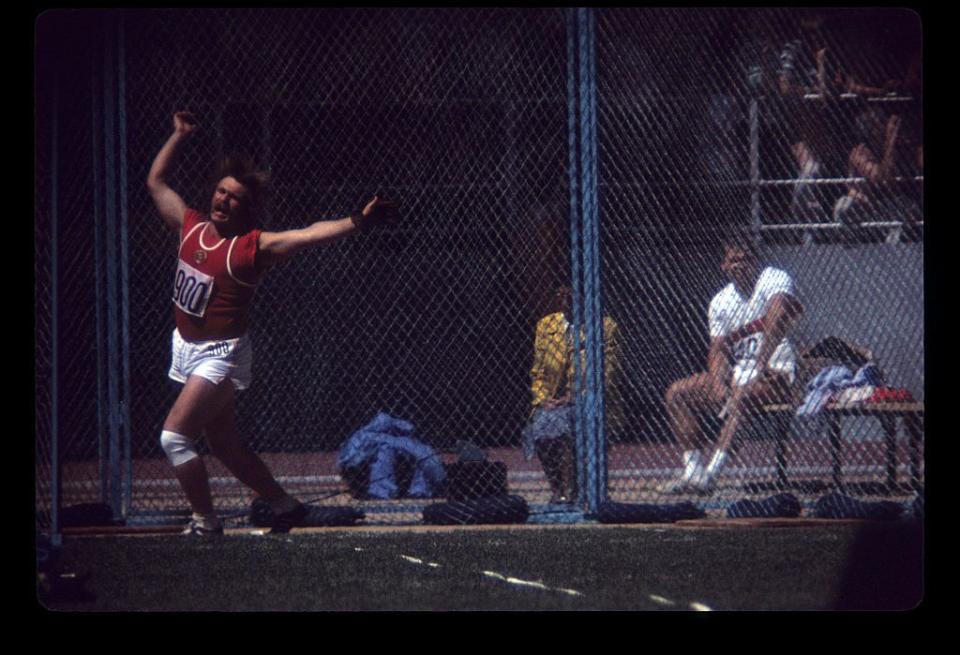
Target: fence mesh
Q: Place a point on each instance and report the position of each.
(43, 333)
(67, 288)
(742, 130)
(452, 320)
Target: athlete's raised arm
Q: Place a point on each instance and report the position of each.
(170, 205)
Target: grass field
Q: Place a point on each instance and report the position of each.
(826, 566)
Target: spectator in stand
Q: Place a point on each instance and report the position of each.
(874, 196)
(805, 67)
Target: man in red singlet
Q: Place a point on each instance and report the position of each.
(221, 259)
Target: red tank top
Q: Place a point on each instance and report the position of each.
(215, 281)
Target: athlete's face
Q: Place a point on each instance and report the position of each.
(230, 202)
(740, 265)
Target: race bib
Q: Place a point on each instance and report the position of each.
(747, 348)
(191, 289)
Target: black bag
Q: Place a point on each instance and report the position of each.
(262, 516)
(471, 480)
(779, 506)
(478, 511)
(611, 512)
(838, 506)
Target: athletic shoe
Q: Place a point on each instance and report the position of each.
(196, 529)
(288, 520)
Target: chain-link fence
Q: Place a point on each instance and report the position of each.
(804, 128)
(475, 120)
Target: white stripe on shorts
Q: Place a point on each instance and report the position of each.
(213, 360)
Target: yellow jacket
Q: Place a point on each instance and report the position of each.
(553, 365)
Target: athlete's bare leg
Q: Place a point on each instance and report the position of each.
(207, 408)
(689, 398)
(748, 399)
(225, 445)
(197, 400)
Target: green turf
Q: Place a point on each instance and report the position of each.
(802, 568)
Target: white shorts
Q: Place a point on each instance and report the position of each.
(213, 360)
(746, 370)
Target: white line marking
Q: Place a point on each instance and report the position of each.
(420, 561)
(527, 583)
(661, 600)
(699, 607)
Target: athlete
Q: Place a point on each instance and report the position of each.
(221, 258)
(748, 321)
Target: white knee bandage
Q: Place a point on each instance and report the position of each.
(179, 449)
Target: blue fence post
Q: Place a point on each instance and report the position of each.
(112, 263)
(126, 435)
(593, 312)
(586, 199)
(573, 144)
(599, 451)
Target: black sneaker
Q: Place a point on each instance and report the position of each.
(292, 519)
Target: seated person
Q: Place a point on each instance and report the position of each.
(550, 429)
(873, 158)
(748, 321)
(805, 66)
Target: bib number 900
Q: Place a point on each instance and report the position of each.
(191, 290)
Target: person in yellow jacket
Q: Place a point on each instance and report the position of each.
(549, 429)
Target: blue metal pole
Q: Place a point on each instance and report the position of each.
(124, 274)
(588, 200)
(575, 253)
(597, 336)
(113, 310)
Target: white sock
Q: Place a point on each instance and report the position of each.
(282, 505)
(716, 462)
(692, 464)
(207, 521)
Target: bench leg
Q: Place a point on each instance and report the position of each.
(782, 432)
(889, 424)
(913, 423)
(836, 443)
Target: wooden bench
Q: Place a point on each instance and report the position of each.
(910, 413)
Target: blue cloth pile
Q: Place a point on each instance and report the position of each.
(376, 454)
(833, 379)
